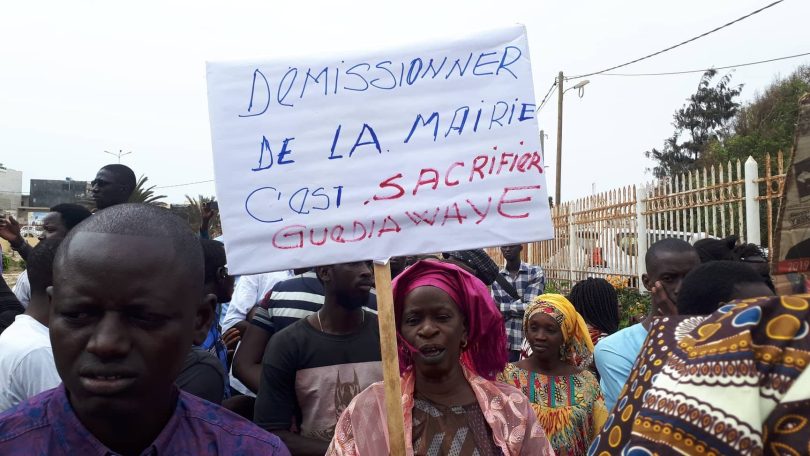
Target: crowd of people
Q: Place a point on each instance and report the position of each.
(126, 334)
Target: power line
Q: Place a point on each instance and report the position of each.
(679, 44)
(707, 69)
(187, 183)
(545, 98)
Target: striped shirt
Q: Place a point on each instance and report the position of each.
(529, 283)
(293, 299)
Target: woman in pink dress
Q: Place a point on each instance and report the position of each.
(451, 345)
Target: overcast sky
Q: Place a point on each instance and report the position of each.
(81, 77)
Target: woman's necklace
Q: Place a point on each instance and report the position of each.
(320, 326)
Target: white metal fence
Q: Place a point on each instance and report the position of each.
(607, 234)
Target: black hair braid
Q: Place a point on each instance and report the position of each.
(596, 300)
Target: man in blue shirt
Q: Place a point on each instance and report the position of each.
(668, 261)
(127, 304)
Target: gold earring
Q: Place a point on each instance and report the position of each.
(464, 345)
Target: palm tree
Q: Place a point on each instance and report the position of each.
(144, 195)
(196, 207)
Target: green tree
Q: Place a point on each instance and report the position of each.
(768, 123)
(703, 121)
(144, 194)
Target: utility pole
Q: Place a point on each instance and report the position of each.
(557, 199)
(118, 155)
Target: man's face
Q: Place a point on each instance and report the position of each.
(52, 227)
(122, 321)
(398, 265)
(670, 268)
(511, 252)
(108, 190)
(350, 282)
(225, 284)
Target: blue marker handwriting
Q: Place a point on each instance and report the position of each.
(283, 90)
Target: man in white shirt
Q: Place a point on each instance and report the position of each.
(56, 224)
(249, 291)
(26, 361)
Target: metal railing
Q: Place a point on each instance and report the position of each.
(607, 234)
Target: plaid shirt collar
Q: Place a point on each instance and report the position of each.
(523, 269)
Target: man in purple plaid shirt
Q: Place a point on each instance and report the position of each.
(529, 281)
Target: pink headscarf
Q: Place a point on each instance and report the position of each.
(486, 343)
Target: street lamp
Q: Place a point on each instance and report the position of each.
(580, 86)
(118, 155)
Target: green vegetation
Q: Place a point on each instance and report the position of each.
(144, 194)
(713, 128)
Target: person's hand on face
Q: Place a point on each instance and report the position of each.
(662, 300)
(10, 229)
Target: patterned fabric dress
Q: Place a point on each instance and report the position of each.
(511, 425)
(732, 383)
(440, 430)
(569, 407)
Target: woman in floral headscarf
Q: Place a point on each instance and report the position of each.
(563, 393)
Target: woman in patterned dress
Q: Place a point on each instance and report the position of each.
(451, 346)
(563, 393)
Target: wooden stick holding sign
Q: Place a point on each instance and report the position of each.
(390, 358)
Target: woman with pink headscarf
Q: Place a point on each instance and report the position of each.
(451, 338)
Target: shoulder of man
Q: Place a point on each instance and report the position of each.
(292, 338)
(231, 431)
(535, 268)
(201, 357)
(26, 421)
(616, 343)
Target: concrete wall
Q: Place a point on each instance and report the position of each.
(48, 193)
(10, 190)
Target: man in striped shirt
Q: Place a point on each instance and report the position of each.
(529, 281)
(289, 301)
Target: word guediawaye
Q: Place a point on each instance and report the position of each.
(283, 88)
(511, 203)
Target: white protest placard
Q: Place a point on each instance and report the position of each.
(358, 156)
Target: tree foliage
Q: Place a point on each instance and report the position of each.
(703, 121)
(144, 194)
(705, 134)
(768, 123)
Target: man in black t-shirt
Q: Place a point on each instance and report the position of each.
(313, 368)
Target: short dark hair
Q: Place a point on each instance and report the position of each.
(668, 245)
(710, 284)
(716, 249)
(124, 173)
(72, 214)
(143, 220)
(39, 265)
(214, 256)
(596, 300)
(748, 250)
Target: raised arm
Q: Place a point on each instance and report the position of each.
(10, 231)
